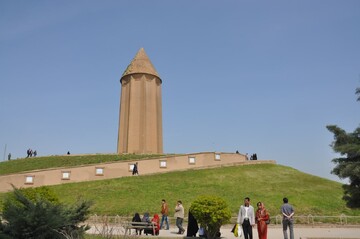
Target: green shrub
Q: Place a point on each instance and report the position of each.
(32, 194)
(40, 218)
(211, 212)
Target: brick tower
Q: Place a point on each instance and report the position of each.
(140, 121)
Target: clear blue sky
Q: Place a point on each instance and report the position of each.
(252, 76)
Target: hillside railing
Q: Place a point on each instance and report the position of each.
(275, 220)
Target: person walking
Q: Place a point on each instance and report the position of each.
(246, 218)
(164, 214)
(261, 218)
(192, 227)
(179, 215)
(288, 222)
(135, 169)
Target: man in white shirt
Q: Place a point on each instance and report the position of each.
(179, 215)
(246, 218)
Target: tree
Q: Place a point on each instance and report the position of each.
(27, 218)
(348, 166)
(348, 145)
(211, 212)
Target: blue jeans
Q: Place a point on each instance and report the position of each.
(288, 223)
(164, 218)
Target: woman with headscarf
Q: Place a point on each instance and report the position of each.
(146, 218)
(137, 218)
(192, 227)
(156, 222)
(261, 217)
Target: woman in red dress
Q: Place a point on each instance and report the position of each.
(156, 221)
(261, 217)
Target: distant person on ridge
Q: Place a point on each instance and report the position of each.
(288, 212)
(28, 152)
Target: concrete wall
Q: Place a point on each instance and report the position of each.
(123, 169)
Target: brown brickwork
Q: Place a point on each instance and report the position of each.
(140, 121)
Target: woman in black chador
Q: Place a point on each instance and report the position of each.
(137, 218)
(192, 227)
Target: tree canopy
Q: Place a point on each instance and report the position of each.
(36, 213)
(347, 166)
(211, 212)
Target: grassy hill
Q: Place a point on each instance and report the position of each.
(267, 183)
(27, 164)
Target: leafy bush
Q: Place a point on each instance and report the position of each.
(41, 218)
(211, 212)
(33, 194)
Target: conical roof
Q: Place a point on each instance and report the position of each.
(141, 64)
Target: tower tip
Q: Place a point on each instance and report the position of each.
(141, 64)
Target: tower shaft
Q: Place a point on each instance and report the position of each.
(140, 121)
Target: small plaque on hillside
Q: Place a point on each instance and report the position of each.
(217, 157)
(65, 175)
(99, 171)
(163, 164)
(29, 179)
(192, 160)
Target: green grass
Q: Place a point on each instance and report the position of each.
(35, 163)
(264, 182)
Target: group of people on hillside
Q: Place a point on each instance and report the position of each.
(179, 215)
(30, 153)
(252, 157)
(247, 218)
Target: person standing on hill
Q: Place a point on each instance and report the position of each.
(164, 213)
(246, 218)
(179, 215)
(288, 212)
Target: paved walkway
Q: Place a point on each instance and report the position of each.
(275, 232)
